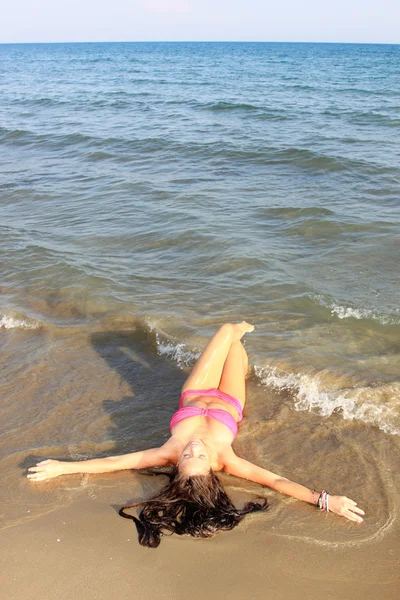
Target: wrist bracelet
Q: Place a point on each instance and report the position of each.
(323, 503)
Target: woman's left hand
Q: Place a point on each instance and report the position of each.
(344, 507)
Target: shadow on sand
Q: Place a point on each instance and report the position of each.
(141, 419)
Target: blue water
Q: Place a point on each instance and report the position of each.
(187, 184)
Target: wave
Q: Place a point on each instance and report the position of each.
(351, 312)
(319, 223)
(127, 149)
(179, 353)
(373, 118)
(304, 158)
(294, 212)
(14, 320)
(216, 106)
(44, 101)
(256, 111)
(316, 161)
(176, 351)
(378, 406)
(367, 118)
(25, 137)
(347, 312)
(382, 91)
(98, 156)
(13, 134)
(323, 229)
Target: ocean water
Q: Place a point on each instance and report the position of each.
(152, 191)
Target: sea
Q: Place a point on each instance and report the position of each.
(150, 192)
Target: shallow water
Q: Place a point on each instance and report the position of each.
(94, 393)
(150, 192)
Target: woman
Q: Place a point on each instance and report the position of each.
(202, 431)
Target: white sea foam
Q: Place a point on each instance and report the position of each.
(151, 325)
(12, 321)
(177, 352)
(349, 312)
(379, 406)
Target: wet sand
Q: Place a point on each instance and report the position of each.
(87, 551)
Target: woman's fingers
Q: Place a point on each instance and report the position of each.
(351, 514)
(39, 466)
(357, 510)
(353, 508)
(353, 511)
(41, 475)
(353, 517)
(45, 469)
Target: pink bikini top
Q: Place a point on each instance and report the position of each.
(185, 412)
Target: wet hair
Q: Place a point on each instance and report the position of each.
(196, 505)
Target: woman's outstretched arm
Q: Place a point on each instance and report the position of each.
(48, 469)
(340, 505)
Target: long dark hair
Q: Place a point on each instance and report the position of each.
(196, 505)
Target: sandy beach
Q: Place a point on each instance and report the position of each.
(86, 551)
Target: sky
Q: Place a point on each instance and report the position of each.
(363, 21)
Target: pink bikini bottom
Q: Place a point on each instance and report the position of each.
(185, 412)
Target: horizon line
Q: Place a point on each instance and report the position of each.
(200, 42)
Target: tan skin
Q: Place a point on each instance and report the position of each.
(200, 443)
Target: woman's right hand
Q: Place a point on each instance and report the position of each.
(46, 469)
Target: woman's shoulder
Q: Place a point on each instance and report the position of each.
(172, 449)
(225, 457)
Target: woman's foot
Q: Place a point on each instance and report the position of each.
(239, 329)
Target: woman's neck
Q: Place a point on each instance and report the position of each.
(214, 449)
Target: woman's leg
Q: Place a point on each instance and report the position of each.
(234, 373)
(207, 372)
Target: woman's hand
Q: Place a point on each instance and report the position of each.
(46, 469)
(344, 507)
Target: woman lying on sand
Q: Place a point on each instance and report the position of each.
(202, 431)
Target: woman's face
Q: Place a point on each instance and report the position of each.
(195, 459)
